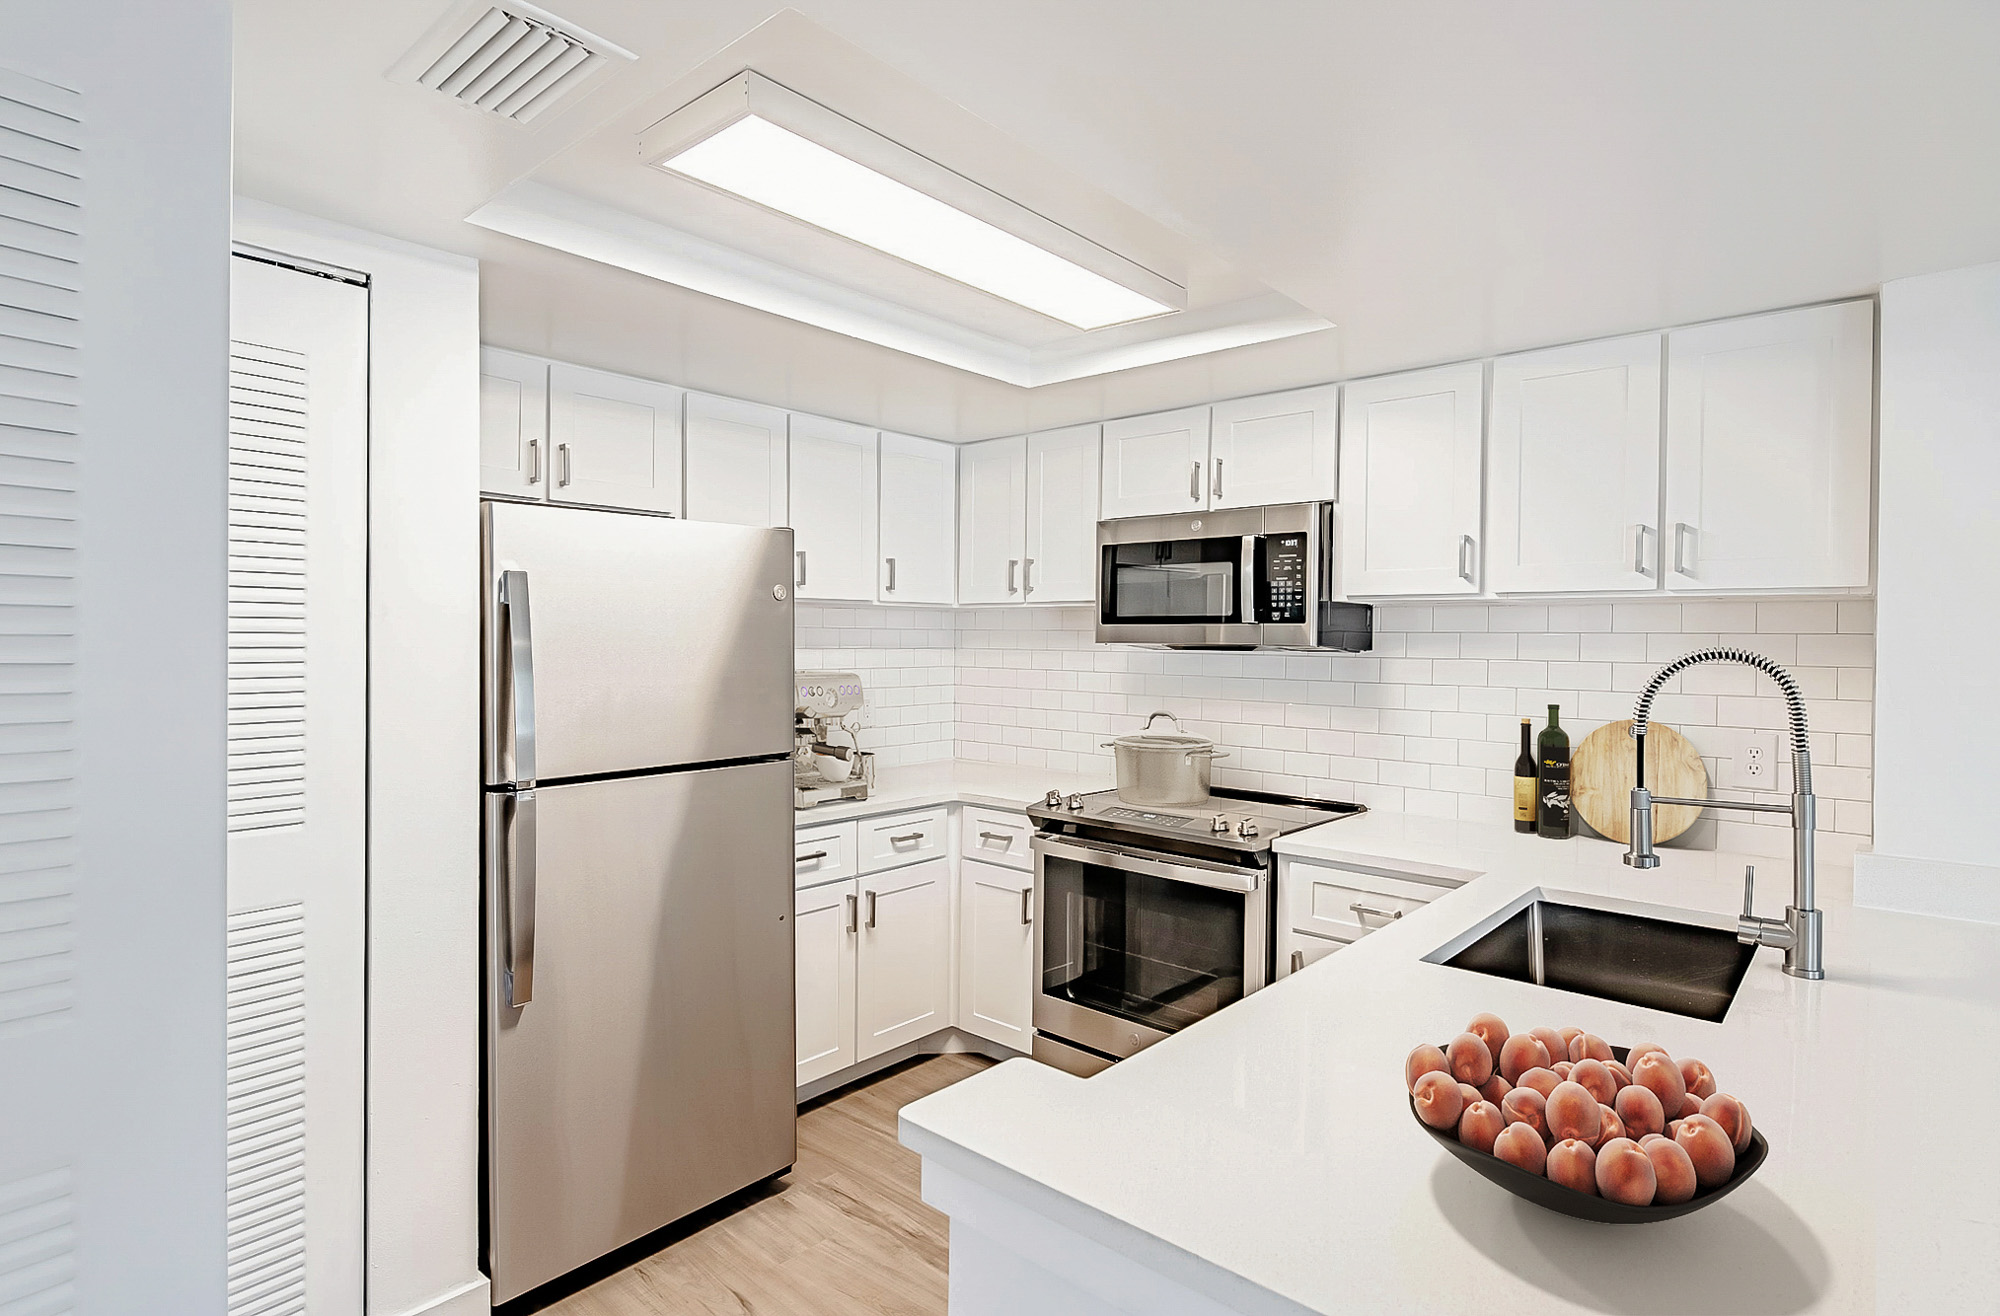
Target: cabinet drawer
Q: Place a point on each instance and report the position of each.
(1343, 904)
(1298, 949)
(902, 838)
(993, 837)
(823, 854)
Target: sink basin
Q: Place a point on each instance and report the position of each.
(1643, 955)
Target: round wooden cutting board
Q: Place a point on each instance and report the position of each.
(1601, 775)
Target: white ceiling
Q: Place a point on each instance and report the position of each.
(1440, 180)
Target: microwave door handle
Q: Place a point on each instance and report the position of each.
(1247, 581)
(516, 618)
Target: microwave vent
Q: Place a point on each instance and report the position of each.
(512, 60)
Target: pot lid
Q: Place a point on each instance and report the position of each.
(1147, 738)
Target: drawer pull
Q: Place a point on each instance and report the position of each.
(905, 840)
(1001, 837)
(1027, 905)
(1367, 911)
(811, 857)
(1298, 960)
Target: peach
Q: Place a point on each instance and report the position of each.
(1640, 1111)
(1495, 1088)
(1572, 1113)
(1527, 1106)
(1543, 1081)
(1620, 1074)
(1520, 1145)
(1696, 1077)
(1426, 1059)
(1518, 1054)
(1569, 1036)
(1595, 1075)
(1553, 1042)
(1589, 1046)
(1732, 1115)
(1690, 1105)
(1490, 1029)
(1625, 1173)
(1633, 1054)
(1609, 1126)
(1468, 1059)
(1438, 1101)
(1573, 1164)
(1673, 1170)
(1480, 1124)
(1673, 1128)
(1657, 1072)
(1468, 1094)
(1709, 1148)
(1562, 1068)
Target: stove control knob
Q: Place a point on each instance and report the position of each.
(1053, 800)
(1221, 824)
(1246, 828)
(1075, 803)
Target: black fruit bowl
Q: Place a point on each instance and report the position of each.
(1556, 1197)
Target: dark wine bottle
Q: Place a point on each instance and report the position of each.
(1552, 758)
(1525, 779)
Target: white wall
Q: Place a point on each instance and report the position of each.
(111, 1090)
(1940, 608)
(423, 759)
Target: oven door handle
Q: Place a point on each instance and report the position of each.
(1196, 872)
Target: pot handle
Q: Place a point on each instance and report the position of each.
(1210, 754)
(1162, 713)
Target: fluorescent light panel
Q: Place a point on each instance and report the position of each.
(759, 161)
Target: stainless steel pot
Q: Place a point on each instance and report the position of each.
(1156, 770)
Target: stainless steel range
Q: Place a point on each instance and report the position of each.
(1152, 919)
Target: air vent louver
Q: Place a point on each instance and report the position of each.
(512, 60)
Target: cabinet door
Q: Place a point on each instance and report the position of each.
(1059, 564)
(1281, 448)
(825, 925)
(992, 520)
(1298, 949)
(1770, 431)
(513, 423)
(996, 953)
(833, 498)
(919, 519)
(617, 440)
(1409, 480)
(1156, 464)
(1573, 468)
(736, 461)
(903, 982)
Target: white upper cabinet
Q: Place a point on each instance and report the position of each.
(919, 532)
(1409, 480)
(1769, 447)
(1573, 469)
(616, 440)
(1155, 465)
(736, 461)
(833, 500)
(513, 423)
(1280, 448)
(992, 520)
(1059, 562)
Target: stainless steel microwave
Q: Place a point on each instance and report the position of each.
(1242, 578)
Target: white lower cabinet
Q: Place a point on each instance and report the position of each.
(1322, 907)
(1298, 949)
(902, 981)
(996, 953)
(825, 926)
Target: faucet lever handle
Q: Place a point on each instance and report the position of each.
(1749, 887)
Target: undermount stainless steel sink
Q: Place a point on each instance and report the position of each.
(1644, 955)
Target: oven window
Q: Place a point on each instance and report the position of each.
(1144, 948)
(1175, 580)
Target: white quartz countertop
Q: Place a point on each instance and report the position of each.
(954, 781)
(1267, 1157)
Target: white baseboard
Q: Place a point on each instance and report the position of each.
(472, 1298)
(946, 1041)
(1927, 886)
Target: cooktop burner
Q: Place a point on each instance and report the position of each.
(1240, 820)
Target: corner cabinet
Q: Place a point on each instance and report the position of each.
(1770, 444)
(615, 441)
(919, 531)
(736, 462)
(513, 423)
(1573, 469)
(1410, 456)
(833, 509)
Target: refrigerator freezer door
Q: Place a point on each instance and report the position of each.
(656, 642)
(652, 1072)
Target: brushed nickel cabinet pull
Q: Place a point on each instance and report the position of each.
(870, 922)
(905, 840)
(853, 912)
(810, 857)
(1027, 905)
(1298, 960)
(562, 466)
(1369, 911)
(534, 461)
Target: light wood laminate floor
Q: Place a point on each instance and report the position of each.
(844, 1232)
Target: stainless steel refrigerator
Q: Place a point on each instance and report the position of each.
(638, 877)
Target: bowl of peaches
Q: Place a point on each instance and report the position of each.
(1620, 1135)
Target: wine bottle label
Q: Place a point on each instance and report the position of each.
(1524, 799)
(1555, 790)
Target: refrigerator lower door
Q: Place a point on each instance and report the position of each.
(651, 1072)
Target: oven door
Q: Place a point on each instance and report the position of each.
(1185, 580)
(1134, 946)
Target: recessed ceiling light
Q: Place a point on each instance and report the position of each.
(774, 165)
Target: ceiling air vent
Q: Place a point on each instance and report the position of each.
(513, 60)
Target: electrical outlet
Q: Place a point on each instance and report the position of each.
(1754, 765)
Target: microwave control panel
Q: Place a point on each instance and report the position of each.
(1281, 579)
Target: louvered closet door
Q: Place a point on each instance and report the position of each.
(297, 666)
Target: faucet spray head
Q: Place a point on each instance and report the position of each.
(1640, 854)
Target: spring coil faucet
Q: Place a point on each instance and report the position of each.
(1798, 933)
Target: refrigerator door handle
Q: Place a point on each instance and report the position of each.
(517, 898)
(514, 613)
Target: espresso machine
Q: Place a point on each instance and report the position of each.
(828, 762)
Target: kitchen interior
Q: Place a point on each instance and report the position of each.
(1238, 547)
